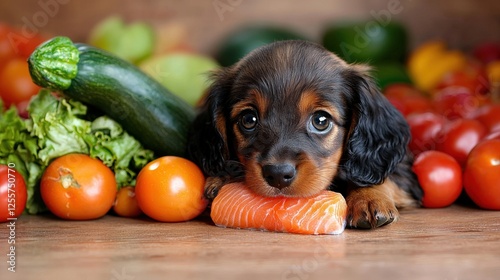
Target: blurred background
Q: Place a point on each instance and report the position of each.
(422, 43)
(462, 23)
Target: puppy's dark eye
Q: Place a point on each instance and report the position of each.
(321, 122)
(248, 120)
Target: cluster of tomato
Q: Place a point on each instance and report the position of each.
(78, 187)
(16, 86)
(454, 119)
(168, 189)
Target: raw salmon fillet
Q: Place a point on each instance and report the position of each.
(236, 206)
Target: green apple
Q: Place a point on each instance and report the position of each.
(133, 42)
(184, 74)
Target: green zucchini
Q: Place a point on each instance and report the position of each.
(147, 110)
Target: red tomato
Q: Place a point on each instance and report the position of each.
(399, 105)
(126, 203)
(457, 102)
(482, 174)
(488, 115)
(78, 187)
(459, 137)
(13, 193)
(16, 85)
(492, 135)
(424, 128)
(418, 104)
(401, 91)
(412, 105)
(171, 189)
(487, 52)
(473, 77)
(407, 99)
(440, 176)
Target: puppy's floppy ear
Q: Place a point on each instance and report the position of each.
(207, 141)
(378, 136)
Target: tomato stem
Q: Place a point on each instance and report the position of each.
(66, 178)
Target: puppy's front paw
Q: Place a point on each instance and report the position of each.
(369, 207)
(212, 187)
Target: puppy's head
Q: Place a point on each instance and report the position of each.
(295, 116)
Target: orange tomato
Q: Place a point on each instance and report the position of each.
(78, 187)
(171, 189)
(126, 203)
(16, 85)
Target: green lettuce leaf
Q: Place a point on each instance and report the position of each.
(118, 150)
(19, 148)
(56, 125)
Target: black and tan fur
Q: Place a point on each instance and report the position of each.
(292, 119)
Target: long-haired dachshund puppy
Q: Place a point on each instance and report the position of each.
(292, 119)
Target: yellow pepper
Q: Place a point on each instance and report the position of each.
(429, 63)
(493, 72)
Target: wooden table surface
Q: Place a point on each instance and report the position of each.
(453, 243)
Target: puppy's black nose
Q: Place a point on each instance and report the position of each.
(279, 175)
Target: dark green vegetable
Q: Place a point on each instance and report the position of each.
(145, 109)
(367, 41)
(244, 40)
(390, 73)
